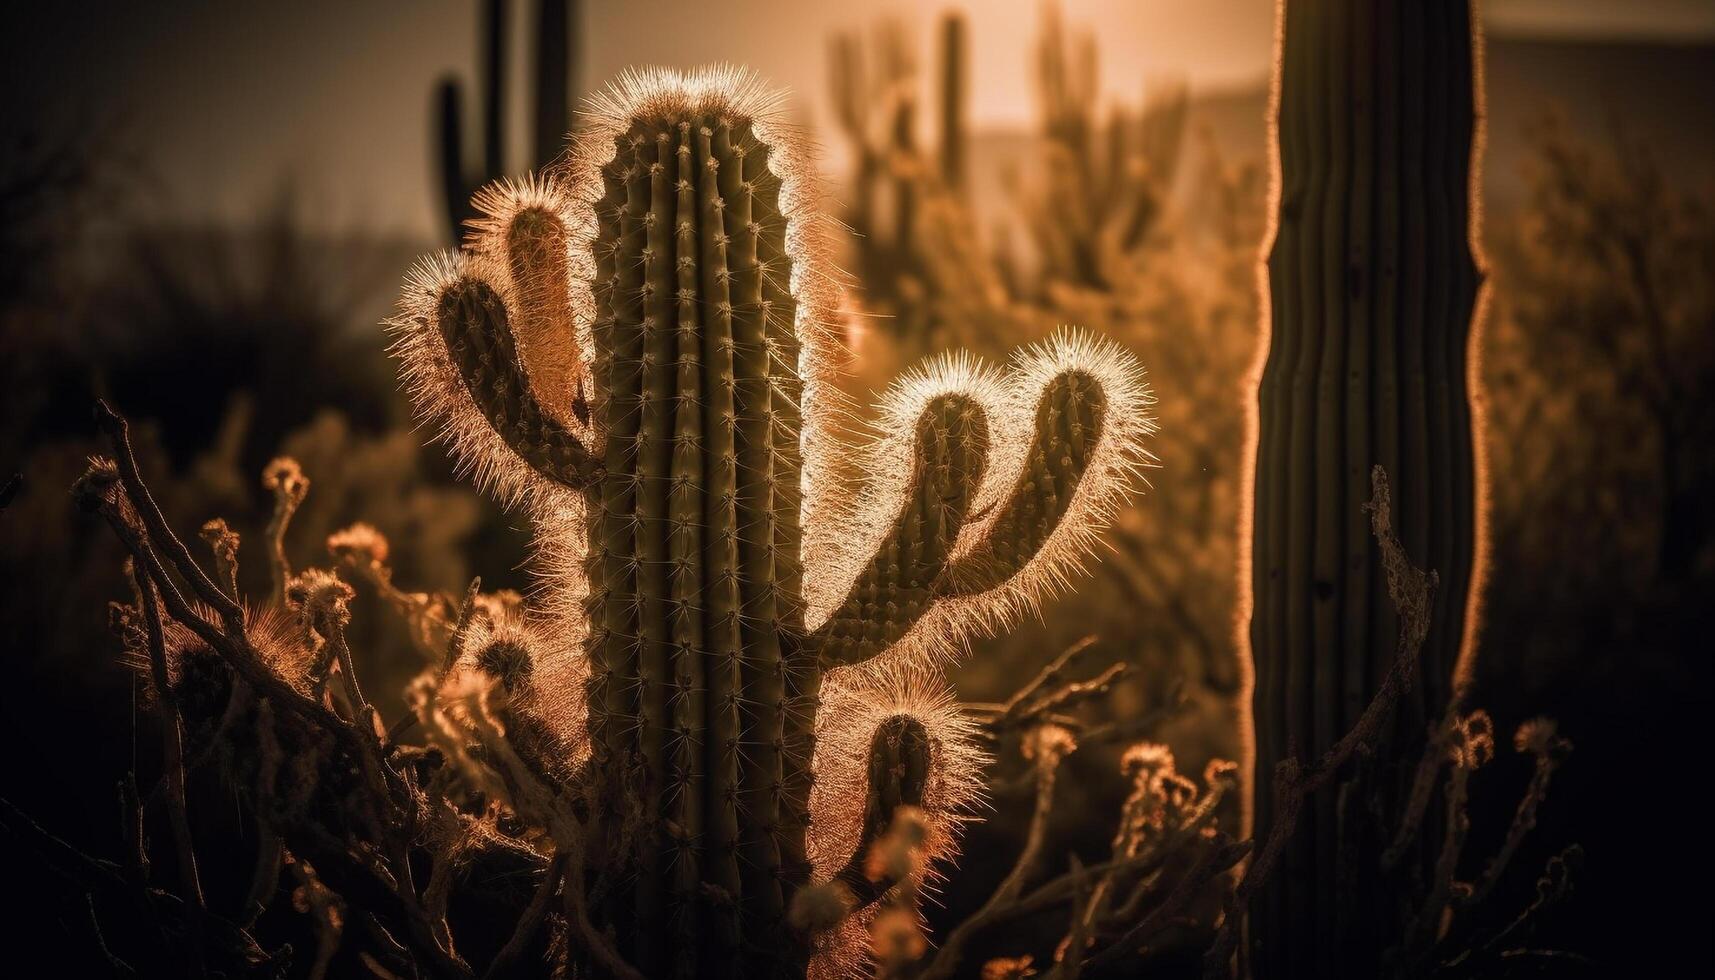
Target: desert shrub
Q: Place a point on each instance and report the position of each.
(1599, 350)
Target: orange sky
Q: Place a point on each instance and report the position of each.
(225, 101)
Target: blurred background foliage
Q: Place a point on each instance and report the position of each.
(1140, 219)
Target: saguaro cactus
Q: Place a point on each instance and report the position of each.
(1371, 287)
(637, 351)
(550, 110)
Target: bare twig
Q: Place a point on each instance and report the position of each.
(118, 965)
(91, 872)
(1084, 902)
(131, 819)
(1072, 694)
(167, 711)
(1212, 862)
(9, 489)
(118, 433)
(382, 887)
(1019, 707)
(1473, 745)
(223, 541)
(324, 908)
(1046, 746)
(1129, 729)
(1411, 590)
(1553, 887)
(363, 550)
(284, 477)
(461, 630)
(270, 849)
(1422, 788)
(530, 921)
(1537, 737)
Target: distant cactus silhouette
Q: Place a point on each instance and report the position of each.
(1104, 187)
(554, 72)
(637, 350)
(955, 82)
(875, 97)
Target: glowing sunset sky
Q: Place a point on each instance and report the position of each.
(223, 101)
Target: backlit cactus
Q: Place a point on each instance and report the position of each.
(1371, 290)
(637, 350)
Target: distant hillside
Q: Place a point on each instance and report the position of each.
(1657, 92)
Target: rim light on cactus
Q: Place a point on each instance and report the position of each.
(637, 350)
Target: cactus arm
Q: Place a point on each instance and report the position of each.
(494, 65)
(449, 124)
(473, 323)
(895, 590)
(1067, 429)
(898, 762)
(535, 240)
(1081, 411)
(553, 73)
(889, 737)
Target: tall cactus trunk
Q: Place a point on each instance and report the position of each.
(695, 604)
(1372, 286)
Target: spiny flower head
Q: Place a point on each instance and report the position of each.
(360, 543)
(320, 596)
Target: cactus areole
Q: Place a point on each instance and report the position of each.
(740, 625)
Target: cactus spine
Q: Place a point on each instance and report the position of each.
(636, 349)
(550, 108)
(1372, 285)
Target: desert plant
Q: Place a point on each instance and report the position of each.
(1181, 290)
(555, 72)
(1603, 329)
(1371, 288)
(636, 350)
(876, 101)
(1431, 926)
(1099, 197)
(388, 845)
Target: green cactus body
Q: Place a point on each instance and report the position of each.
(707, 568)
(1371, 291)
